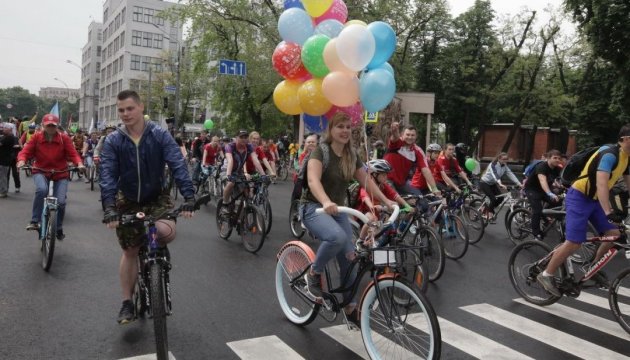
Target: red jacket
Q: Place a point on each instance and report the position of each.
(50, 155)
(403, 168)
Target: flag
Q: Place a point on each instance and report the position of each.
(55, 109)
(91, 126)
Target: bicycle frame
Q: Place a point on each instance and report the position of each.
(50, 203)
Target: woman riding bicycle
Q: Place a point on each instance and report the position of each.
(330, 168)
(491, 184)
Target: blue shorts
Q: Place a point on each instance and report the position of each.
(581, 210)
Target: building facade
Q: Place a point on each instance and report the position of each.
(90, 73)
(58, 93)
(134, 40)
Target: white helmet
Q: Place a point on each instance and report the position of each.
(379, 166)
(434, 148)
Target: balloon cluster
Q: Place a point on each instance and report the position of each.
(330, 64)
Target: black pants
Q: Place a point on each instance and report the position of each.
(537, 201)
(491, 191)
(16, 175)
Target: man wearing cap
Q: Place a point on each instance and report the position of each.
(236, 154)
(52, 150)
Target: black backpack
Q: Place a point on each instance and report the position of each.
(302, 177)
(572, 170)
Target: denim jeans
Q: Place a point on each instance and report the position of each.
(60, 188)
(335, 236)
(406, 189)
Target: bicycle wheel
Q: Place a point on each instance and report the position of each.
(519, 204)
(474, 223)
(266, 209)
(412, 267)
(224, 225)
(252, 228)
(520, 226)
(524, 267)
(432, 250)
(140, 299)
(92, 173)
(619, 299)
(295, 222)
(454, 236)
(48, 239)
(294, 259)
(158, 309)
(397, 321)
(283, 173)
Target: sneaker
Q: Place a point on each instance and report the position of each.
(17, 190)
(32, 226)
(126, 314)
(548, 283)
(60, 235)
(313, 284)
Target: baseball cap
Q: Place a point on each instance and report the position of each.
(242, 133)
(50, 119)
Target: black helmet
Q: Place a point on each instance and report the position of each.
(379, 166)
(461, 148)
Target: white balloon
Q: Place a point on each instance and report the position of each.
(355, 47)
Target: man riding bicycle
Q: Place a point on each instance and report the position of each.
(132, 175)
(450, 167)
(88, 151)
(52, 150)
(588, 201)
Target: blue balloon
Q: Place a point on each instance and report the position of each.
(387, 67)
(314, 124)
(385, 39)
(330, 28)
(293, 4)
(378, 88)
(295, 26)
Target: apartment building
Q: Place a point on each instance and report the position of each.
(90, 73)
(58, 93)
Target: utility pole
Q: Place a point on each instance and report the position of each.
(149, 94)
(177, 68)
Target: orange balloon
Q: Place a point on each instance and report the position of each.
(331, 59)
(312, 99)
(341, 88)
(285, 96)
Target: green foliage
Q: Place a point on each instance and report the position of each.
(23, 103)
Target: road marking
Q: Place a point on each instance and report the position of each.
(149, 357)
(264, 348)
(594, 300)
(348, 338)
(476, 345)
(623, 291)
(543, 333)
(607, 326)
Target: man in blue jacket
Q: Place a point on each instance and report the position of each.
(132, 178)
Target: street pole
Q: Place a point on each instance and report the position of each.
(149, 95)
(177, 90)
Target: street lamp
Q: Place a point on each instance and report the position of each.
(71, 98)
(84, 93)
(75, 64)
(177, 76)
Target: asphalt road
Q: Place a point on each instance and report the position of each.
(225, 307)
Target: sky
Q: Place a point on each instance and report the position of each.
(38, 36)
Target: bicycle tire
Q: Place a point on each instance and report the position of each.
(519, 204)
(157, 293)
(283, 173)
(519, 226)
(415, 331)
(139, 300)
(523, 272)
(621, 284)
(48, 239)
(474, 221)
(412, 267)
(294, 258)
(454, 238)
(92, 173)
(266, 209)
(224, 226)
(295, 223)
(432, 250)
(253, 231)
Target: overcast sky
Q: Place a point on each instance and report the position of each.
(38, 36)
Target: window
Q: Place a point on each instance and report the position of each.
(121, 61)
(136, 38)
(109, 50)
(100, 35)
(115, 67)
(115, 45)
(146, 61)
(114, 88)
(157, 41)
(135, 62)
(148, 16)
(117, 21)
(105, 15)
(109, 71)
(98, 67)
(98, 51)
(137, 13)
(147, 39)
(108, 91)
(159, 21)
(123, 14)
(103, 73)
(120, 85)
(122, 39)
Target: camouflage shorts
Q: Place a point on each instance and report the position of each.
(131, 236)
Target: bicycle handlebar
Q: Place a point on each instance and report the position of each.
(140, 217)
(360, 215)
(50, 171)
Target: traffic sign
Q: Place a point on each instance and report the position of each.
(370, 117)
(232, 67)
(170, 89)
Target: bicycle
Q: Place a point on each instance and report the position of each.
(91, 174)
(395, 317)
(295, 220)
(512, 199)
(152, 293)
(282, 169)
(471, 216)
(261, 200)
(245, 216)
(531, 257)
(48, 226)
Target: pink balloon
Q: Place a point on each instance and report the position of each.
(331, 58)
(337, 11)
(341, 88)
(355, 112)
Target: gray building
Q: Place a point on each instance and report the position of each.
(58, 93)
(134, 40)
(90, 73)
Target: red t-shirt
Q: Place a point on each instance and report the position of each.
(212, 154)
(387, 190)
(404, 161)
(251, 169)
(419, 182)
(449, 166)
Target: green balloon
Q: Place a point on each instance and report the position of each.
(470, 164)
(74, 128)
(313, 55)
(208, 124)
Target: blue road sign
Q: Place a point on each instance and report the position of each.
(170, 89)
(232, 67)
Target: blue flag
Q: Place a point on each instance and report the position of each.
(55, 109)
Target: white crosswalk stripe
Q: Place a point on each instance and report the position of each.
(264, 348)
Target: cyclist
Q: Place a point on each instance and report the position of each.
(310, 143)
(450, 168)
(197, 153)
(237, 154)
(79, 140)
(132, 174)
(88, 151)
(491, 184)
(405, 157)
(51, 150)
(211, 152)
(326, 188)
(539, 185)
(460, 154)
(101, 141)
(255, 141)
(419, 182)
(587, 200)
(27, 135)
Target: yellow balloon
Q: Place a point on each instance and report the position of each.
(285, 96)
(316, 8)
(312, 99)
(357, 22)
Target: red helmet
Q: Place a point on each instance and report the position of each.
(50, 119)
